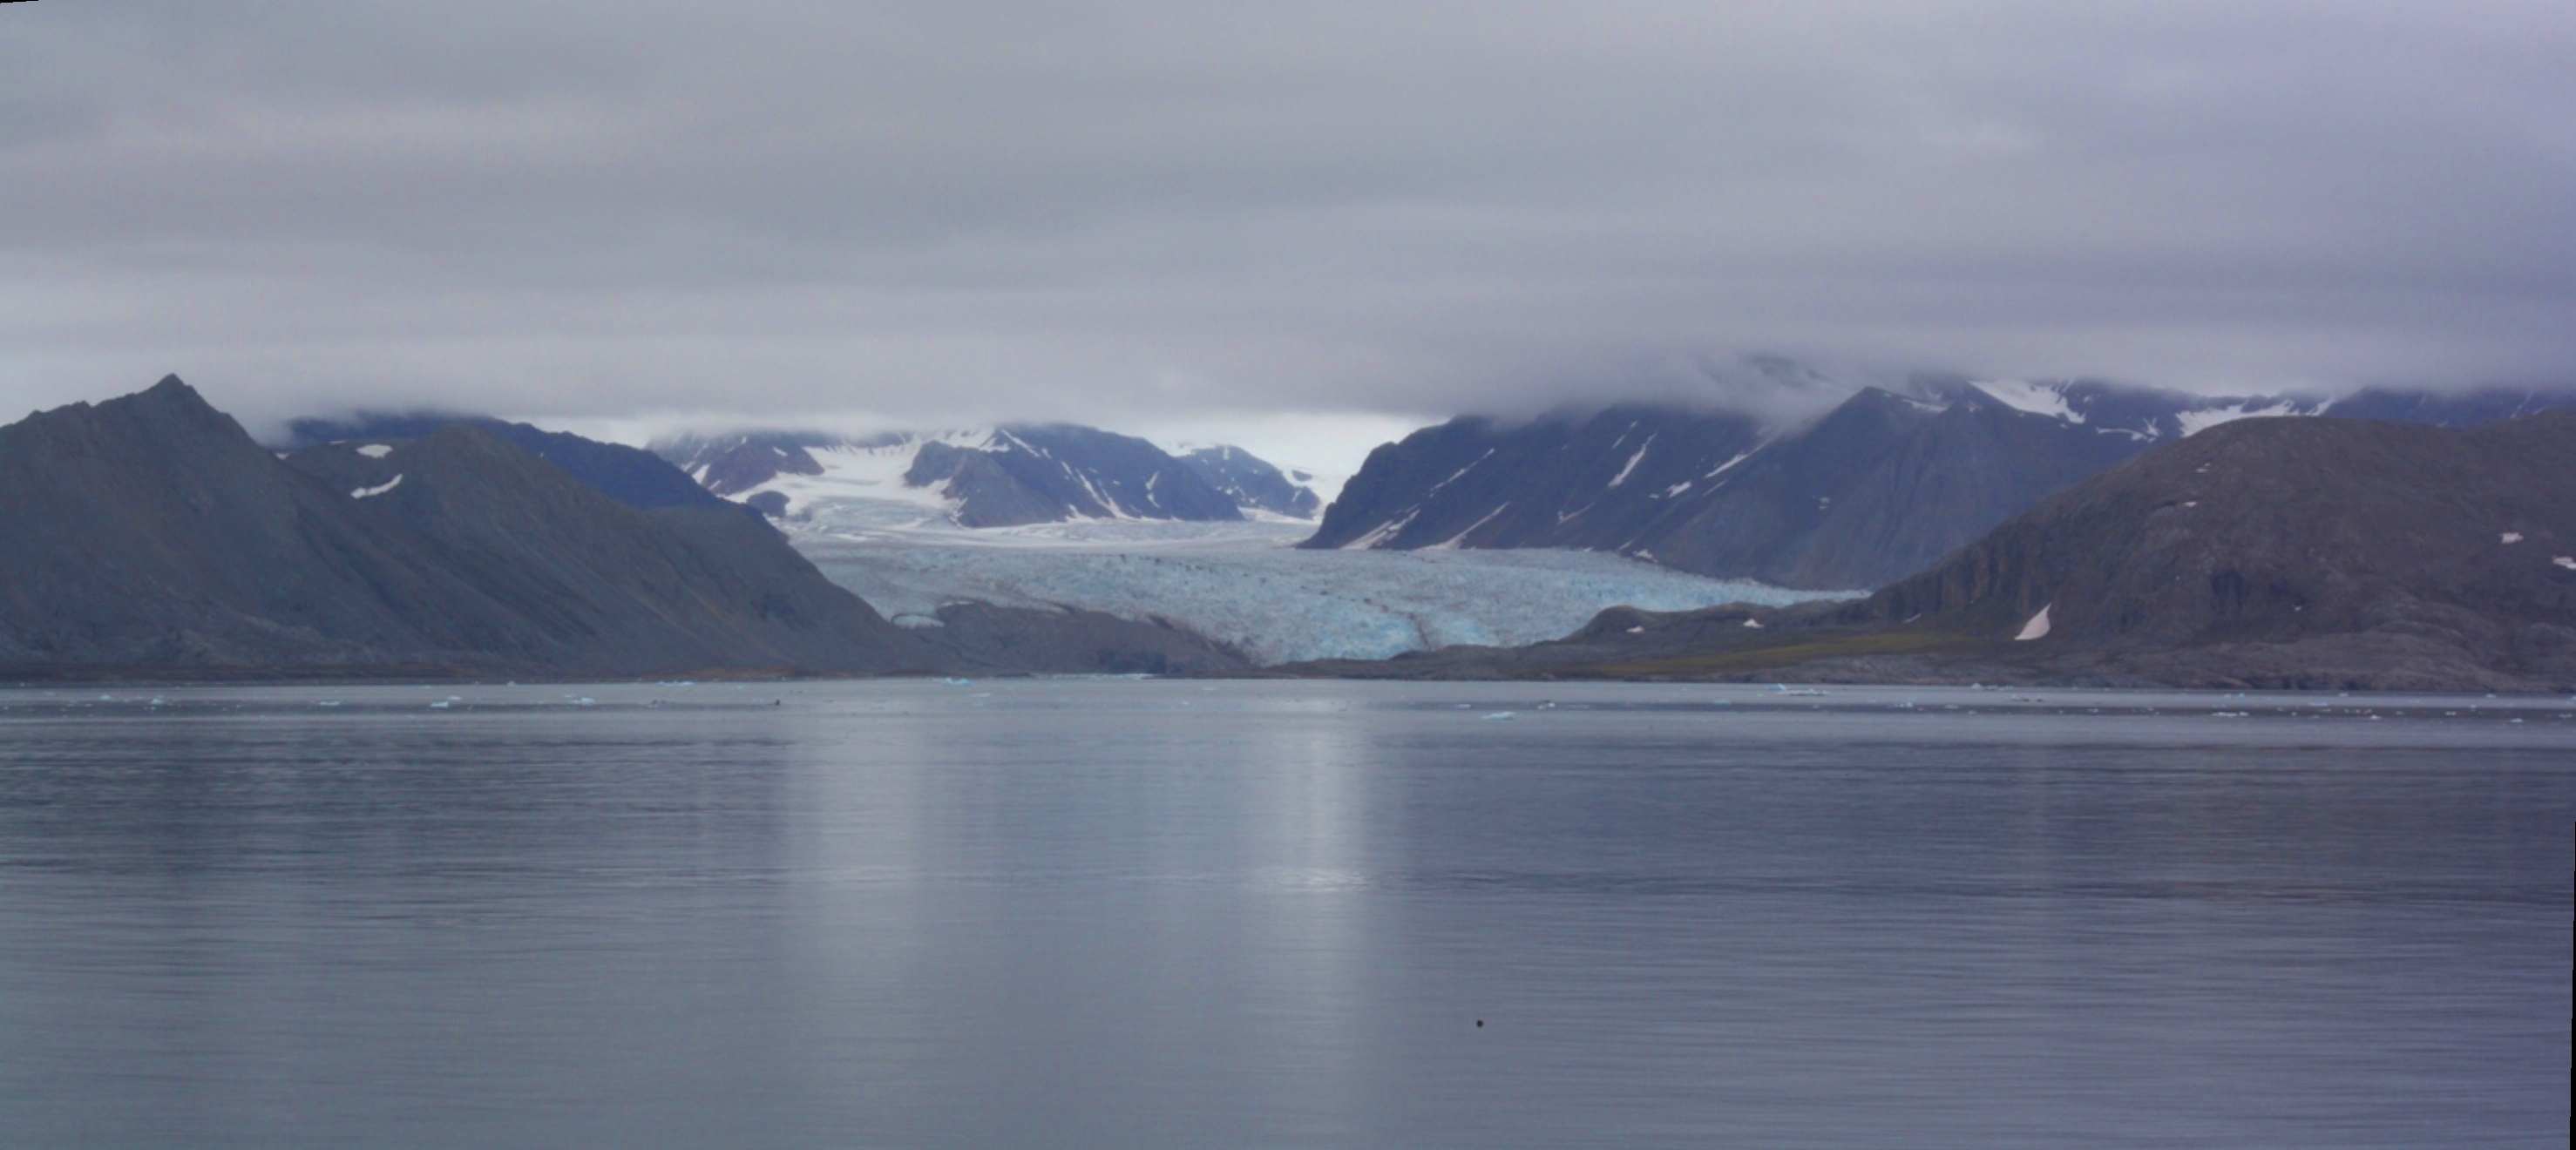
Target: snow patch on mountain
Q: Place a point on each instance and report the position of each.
(1633, 461)
(2035, 398)
(2198, 420)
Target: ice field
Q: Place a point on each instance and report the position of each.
(1246, 585)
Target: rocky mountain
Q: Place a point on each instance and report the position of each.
(1001, 477)
(1880, 486)
(152, 532)
(150, 536)
(629, 475)
(2315, 553)
(1253, 483)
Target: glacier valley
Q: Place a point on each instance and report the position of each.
(1243, 583)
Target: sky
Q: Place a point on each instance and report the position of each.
(1328, 216)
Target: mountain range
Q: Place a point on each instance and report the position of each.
(1006, 476)
(2281, 553)
(150, 534)
(1880, 486)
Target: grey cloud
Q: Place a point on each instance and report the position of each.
(1096, 210)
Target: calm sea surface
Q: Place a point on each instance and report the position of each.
(1136, 914)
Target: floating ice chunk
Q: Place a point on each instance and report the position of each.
(2037, 628)
(1755, 624)
(1500, 715)
(2511, 537)
(376, 450)
(371, 492)
(2566, 561)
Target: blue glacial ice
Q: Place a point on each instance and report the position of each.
(1242, 583)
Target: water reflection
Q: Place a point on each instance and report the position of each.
(1052, 911)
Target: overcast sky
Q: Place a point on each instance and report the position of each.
(1145, 211)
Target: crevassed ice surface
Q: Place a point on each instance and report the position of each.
(1246, 585)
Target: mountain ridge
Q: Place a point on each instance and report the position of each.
(2323, 553)
(1864, 494)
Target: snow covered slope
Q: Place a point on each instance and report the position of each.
(1244, 584)
(984, 478)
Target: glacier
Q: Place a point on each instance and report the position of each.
(1243, 584)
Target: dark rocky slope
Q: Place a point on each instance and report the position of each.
(1879, 487)
(149, 535)
(151, 532)
(2297, 553)
(629, 475)
(1253, 483)
(1053, 472)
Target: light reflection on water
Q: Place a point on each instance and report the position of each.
(1054, 912)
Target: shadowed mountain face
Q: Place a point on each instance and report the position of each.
(2353, 549)
(629, 475)
(150, 531)
(1252, 483)
(2315, 553)
(1879, 487)
(1049, 473)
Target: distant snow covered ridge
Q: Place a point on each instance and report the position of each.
(2146, 415)
(988, 477)
(1245, 585)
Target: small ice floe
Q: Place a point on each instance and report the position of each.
(2510, 538)
(328, 703)
(584, 701)
(1756, 624)
(2566, 561)
(2037, 628)
(1785, 689)
(372, 492)
(441, 705)
(957, 682)
(376, 450)
(1497, 715)
(1639, 630)
(2191, 503)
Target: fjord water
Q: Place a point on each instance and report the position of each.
(1132, 913)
